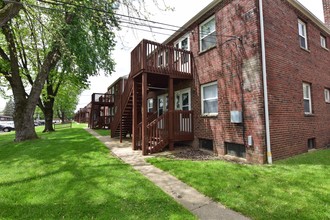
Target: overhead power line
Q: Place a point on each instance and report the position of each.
(121, 20)
(179, 29)
(104, 11)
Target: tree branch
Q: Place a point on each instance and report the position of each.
(9, 11)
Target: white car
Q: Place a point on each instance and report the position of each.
(7, 126)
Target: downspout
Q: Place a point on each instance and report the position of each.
(264, 74)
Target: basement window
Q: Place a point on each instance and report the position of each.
(206, 144)
(311, 143)
(236, 150)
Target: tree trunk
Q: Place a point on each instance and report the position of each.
(49, 114)
(24, 124)
(62, 117)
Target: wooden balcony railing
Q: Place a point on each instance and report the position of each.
(103, 98)
(156, 58)
(158, 130)
(183, 125)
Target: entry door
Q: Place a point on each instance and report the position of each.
(162, 107)
(183, 60)
(183, 99)
(183, 102)
(162, 104)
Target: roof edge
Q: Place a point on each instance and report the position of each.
(310, 15)
(192, 20)
(294, 3)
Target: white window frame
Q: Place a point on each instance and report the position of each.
(201, 34)
(323, 42)
(202, 99)
(150, 105)
(164, 98)
(327, 95)
(309, 98)
(178, 45)
(162, 60)
(179, 93)
(302, 30)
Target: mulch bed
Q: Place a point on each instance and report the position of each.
(191, 154)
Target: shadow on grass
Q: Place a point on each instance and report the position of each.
(70, 174)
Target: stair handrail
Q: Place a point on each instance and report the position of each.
(158, 137)
(121, 103)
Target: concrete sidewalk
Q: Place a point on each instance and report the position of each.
(200, 205)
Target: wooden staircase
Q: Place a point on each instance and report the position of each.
(122, 121)
(157, 134)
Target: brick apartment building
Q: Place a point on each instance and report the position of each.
(247, 79)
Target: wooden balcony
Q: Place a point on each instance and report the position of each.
(152, 57)
(103, 99)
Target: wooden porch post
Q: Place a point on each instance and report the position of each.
(135, 124)
(91, 122)
(171, 112)
(144, 113)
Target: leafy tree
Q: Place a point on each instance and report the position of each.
(9, 108)
(60, 94)
(66, 101)
(40, 38)
(36, 40)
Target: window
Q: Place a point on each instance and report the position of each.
(302, 34)
(236, 150)
(182, 43)
(323, 41)
(327, 95)
(307, 98)
(163, 59)
(206, 144)
(182, 99)
(162, 104)
(311, 143)
(207, 34)
(209, 99)
(150, 105)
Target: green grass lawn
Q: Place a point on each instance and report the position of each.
(71, 175)
(102, 132)
(297, 188)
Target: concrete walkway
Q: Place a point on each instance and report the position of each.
(200, 205)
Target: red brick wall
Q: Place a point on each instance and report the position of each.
(288, 66)
(235, 64)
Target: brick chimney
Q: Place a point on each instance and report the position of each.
(326, 9)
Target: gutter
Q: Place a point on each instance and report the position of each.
(264, 74)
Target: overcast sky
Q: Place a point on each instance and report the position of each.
(177, 17)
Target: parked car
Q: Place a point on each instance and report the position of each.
(7, 126)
